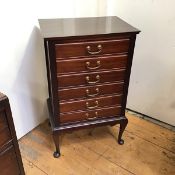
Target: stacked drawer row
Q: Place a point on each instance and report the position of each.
(90, 78)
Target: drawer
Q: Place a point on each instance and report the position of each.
(91, 103)
(91, 64)
(90, 91)
(5, 136)
(8, 162)
(3, 122)
(90, 114)
(92, 48)
(91, 78)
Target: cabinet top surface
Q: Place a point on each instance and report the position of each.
(51, 28)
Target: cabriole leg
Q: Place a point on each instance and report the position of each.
(123, 125)
(56, 154)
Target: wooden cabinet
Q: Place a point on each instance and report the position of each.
(10, 158)
(88, 68)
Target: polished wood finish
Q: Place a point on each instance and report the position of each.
(58, 28)
(87, 70)
(81, 92)
(91, 64)
(90, 114)
(81, 79)
(91, 103)
(80, 49)
(10, 158)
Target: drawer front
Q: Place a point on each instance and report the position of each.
(92, 48)
(91, 78)
(4, 136)
(90, 114)
(91, 64)
(92, 103)
(90, 91)
(3, 122)
(8, 162)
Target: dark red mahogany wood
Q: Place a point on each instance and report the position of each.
(88, 69)
(79, 49)
(81, 92)
(10, 157)
(91, 64)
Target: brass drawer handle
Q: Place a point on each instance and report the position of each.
(92, 107)
(92, 118)
(99, 47)
(92, 95)
(93, 82)
(93, 68)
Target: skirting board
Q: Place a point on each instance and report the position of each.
(146, 117)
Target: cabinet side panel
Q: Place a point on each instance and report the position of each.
(52, 81)
(47, 65)
(128, 72)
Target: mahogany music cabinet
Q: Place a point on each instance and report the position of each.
(88, 69)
